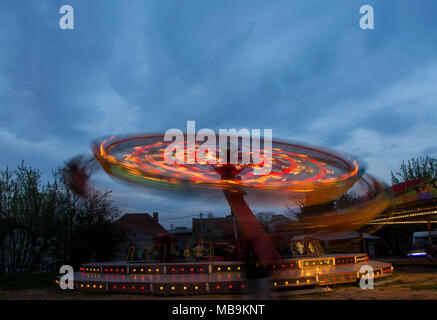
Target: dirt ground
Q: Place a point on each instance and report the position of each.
(407, 282)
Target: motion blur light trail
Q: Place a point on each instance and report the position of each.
(374, 199)
(295, 168)
(311, 175)
(77, 172)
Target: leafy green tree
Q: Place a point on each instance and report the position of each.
(423, 167)
(24, 216)
(41, 222)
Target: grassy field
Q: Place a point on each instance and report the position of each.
(21, 281)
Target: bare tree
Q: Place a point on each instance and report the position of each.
(48, 221)
(271, 221)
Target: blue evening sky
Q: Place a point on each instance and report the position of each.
(302, 68)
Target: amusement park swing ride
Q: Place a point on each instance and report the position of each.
(311, 174)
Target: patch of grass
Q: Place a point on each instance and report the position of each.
(21, 281)
(396, 282)
(317, 294)
(344, 286)
(307, 295)
(430, 286)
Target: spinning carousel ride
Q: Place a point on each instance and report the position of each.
(296, 173)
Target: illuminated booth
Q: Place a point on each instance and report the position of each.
(413, 216)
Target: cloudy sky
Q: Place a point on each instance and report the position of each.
(303, 68)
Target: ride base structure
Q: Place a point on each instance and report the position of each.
(308, 267)
(311, 269)
(223, 276)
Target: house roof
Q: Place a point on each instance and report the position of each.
(141, 222)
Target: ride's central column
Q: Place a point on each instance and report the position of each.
(248, 225)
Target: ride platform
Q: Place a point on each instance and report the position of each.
(186, 278)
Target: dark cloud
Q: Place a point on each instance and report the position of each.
(304, 69)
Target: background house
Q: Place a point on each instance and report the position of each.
(142, 230)
(183, 236)
(215, 229)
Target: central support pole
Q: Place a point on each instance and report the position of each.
(251, 228)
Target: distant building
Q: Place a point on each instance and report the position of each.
(143, 229)
(215, 229)
(183, 236)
